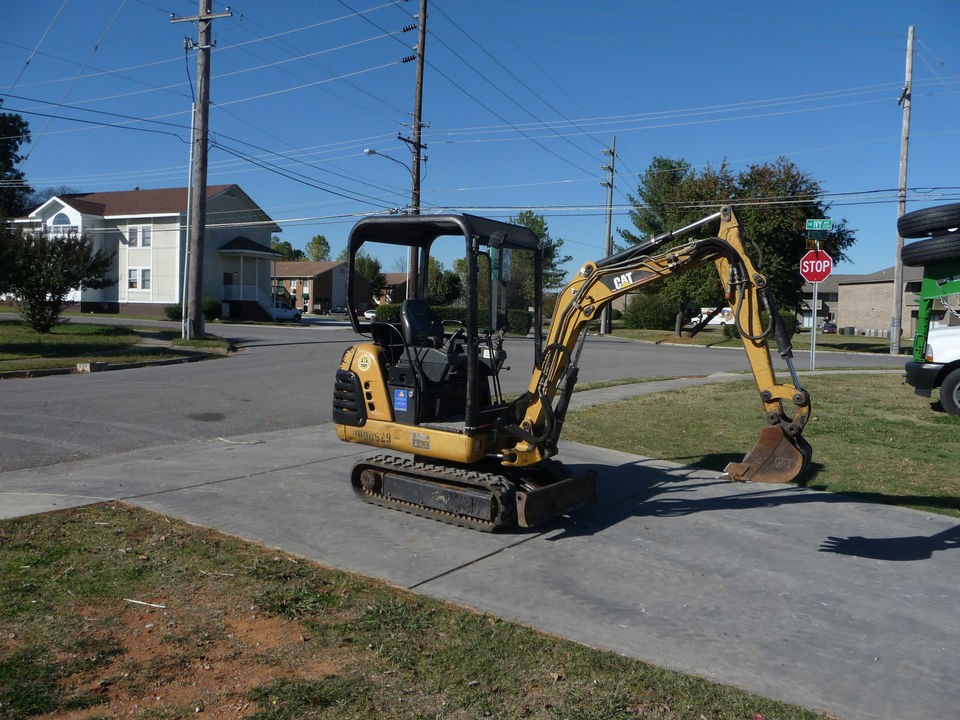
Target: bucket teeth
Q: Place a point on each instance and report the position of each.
(776, 458)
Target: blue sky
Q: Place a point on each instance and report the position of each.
(520, 97)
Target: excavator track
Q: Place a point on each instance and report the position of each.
(485, 501)
(457, 496)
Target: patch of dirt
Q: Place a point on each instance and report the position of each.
(177, 660)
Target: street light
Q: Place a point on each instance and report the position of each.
(374, 151)
(411, 251)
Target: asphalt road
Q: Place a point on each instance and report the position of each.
(281, 378)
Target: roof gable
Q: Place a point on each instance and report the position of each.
(163, 201)
(244, 245)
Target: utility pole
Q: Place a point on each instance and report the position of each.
(413, 271)
(905, 100)
(193, 327)
(606, 324)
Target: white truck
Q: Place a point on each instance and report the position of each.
(936, 352)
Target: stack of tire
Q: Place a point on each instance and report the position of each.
(938, 229)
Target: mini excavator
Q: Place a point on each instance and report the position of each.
(427, 389)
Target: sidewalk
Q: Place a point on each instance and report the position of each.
(799, 595)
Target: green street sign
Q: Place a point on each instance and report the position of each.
(819, 224)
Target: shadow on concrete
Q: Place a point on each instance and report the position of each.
(639, 490)
(913, 547)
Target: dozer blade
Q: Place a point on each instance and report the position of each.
(538, 503)
(776, 458)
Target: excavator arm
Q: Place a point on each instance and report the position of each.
(780, 453)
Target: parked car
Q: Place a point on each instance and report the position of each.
(829, 327)
(370, 314)
(338, 310)
(281, 312)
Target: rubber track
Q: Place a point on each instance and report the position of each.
(499, 487)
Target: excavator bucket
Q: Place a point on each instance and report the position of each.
(776, 458)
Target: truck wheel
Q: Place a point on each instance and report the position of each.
(931, 250)
(950, 393)
(928, 221)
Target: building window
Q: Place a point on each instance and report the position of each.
(138, 279)
(60, 225)
(140, 235)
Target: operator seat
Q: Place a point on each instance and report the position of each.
(440, 371)
(420, 325)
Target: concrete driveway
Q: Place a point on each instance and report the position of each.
(803, 596)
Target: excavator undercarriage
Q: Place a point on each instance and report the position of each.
(480, 460)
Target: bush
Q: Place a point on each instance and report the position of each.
(519, 322)
(730, 331)
(210, 307)
(652, 312)
(790, 322)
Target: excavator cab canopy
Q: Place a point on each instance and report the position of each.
(481, 237)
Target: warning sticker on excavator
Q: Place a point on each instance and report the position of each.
(364, 362)
(400, 400)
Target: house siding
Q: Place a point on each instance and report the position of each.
(230, 213)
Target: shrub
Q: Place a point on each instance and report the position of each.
(790, 322)
(173, 312)
(210, 307)
(519, 322)
(648, 311)
(730, 331)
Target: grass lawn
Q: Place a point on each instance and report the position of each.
(713, 337)
(112, 611)
(70, 343)
(871, 436)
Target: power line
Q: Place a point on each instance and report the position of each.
(36, 140)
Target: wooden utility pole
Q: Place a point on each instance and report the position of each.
(413, 271)
(193, 327)
(606, 324)
(905, 100)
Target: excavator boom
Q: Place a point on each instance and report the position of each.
(780, 453)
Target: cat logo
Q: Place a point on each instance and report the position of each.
(625, 280)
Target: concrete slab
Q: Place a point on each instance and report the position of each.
(803, 596)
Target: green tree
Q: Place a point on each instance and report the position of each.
(554, 276)
(41, 270)
(370, 268)
(14, 191)
(443, 286)
(779, 229)
(318, 249)
(286, 250)
(772, 201)
(671, 194)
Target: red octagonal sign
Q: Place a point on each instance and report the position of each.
(816, 266)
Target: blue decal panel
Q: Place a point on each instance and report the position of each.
(400, 400)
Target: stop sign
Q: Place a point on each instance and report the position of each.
(816, 266)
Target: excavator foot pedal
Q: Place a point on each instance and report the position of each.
(536, 503)
(776, 458)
